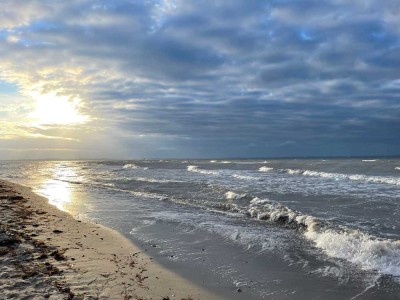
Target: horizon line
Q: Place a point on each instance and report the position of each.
(207, 158)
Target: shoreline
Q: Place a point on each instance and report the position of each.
(46, 253)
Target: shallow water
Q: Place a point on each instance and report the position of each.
(280, 229)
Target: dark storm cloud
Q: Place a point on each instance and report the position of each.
(216, 78)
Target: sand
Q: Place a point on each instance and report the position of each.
(47, 254)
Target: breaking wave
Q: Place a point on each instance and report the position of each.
(154, 180)
(196, 169)
(265, 169)
(133, 166)
(234, 196)
(369, 252)
(338, 176)
(243, 177)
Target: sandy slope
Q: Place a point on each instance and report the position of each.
(47, 254)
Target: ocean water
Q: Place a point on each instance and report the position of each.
(246, 229)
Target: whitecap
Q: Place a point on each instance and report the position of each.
(294, 171)
(368, 252)
(201, 171)
(154, 180)
(133, 166)
(243, 177)
(265, 169)
(130, 166)
(338, 176)
(233, 196)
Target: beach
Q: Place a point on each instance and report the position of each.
(234, 229)
(47, 254)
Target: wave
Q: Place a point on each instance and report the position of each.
(230, 207)
(397, 168)
(369, 160)
(243, 177)
(294, 171)
(264, 209)
(368, 252)
(234, 196)
(196, 169)
(265, 169)
(104, 184)
(153, 180)
(130, 166)
(147, 195)
(338, 176)
(70, 181)
(133, 166)
(139, 194)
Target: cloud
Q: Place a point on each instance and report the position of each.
(210, 77)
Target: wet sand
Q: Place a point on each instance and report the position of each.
(47, 254)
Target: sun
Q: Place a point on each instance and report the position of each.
(53, 109)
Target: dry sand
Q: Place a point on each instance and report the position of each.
(47, 254)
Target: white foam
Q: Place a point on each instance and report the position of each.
(154, 180)
(243, 177)
(338, 176)
(148, 195)
(234, 196)
(369, 160)
(226, 162)
(213, 161)
(265, 169)
(360, 248)
(264, 209)
(370, 253)
(201, 171)
(294, 171)
(133, 166)
(397, 168)
(130, 166)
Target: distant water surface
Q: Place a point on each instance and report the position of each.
(247, 229)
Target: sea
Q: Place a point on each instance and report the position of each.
(244, 228)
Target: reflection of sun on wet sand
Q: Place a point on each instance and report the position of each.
(46, 253)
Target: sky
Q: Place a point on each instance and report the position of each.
(199, 79)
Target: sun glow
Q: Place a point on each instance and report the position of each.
(61, 186)
(52, 109)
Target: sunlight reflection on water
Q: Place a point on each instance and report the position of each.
(58, 192)
(60, 187)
